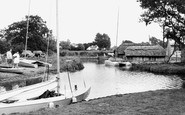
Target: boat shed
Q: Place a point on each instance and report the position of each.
(147, 54)
(121, 49)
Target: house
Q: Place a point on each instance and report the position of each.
(93, 47)
(140, 54)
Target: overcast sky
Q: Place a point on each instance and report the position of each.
(81, 20)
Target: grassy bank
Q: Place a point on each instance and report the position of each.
(170, 68)
(36, 75)
(162, 102)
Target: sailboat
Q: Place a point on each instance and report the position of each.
(117, 62)
(24, 100)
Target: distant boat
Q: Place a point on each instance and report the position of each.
(31, 98)
(117, 62)
(32, 63)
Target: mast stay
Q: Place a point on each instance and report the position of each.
(27, 26)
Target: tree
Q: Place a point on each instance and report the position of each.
(127, 41)
(155, 41)
(145, 43)
(4, 46)
(80, 46)
(170, 14)
(66, 45)
(102, 41)
(86, 45)
(15, 34)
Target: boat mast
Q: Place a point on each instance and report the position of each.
(116, 52)
(58, 61)
(27, 26)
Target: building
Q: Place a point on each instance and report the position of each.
(140, 54)
(93, 47)
(121, 49)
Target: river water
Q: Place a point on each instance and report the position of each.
(106, 81)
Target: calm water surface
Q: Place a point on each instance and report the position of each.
(106, 81)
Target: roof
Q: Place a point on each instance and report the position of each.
(123, 47)
(145, 51)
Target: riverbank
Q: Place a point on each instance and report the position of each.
(36, 75)
(161, 102)
(169, 102)
(162, 68)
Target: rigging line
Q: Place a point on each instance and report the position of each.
(47, 65)
(70, 82)
(58, 61)
(49, 36)
(27, 26)
(47, 50)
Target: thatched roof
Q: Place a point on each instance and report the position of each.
(145, 51)
(123, 46)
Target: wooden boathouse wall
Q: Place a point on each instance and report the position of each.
(140, 54)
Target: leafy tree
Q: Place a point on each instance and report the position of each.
(4, 46)
(86, 45)
(155, 41)
(15, 34)
(81, 46)
(77, 47)
(52, 44)
(102, 41)
(170, 14)
(66, 45)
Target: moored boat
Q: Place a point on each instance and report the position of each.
(33, 104)
(117, 63)
(36, 96)
(11, 70)
(32, 63)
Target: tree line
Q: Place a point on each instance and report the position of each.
(40, 37)
(169, 14)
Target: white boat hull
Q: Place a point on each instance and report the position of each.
(33, 105)
(117, 64)
(111, 63)
(32, 63)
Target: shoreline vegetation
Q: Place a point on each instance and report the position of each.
(160, 102)
(35, 75)
(161, 68)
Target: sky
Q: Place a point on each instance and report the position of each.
(81, 20)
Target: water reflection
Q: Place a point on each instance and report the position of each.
(106, 81)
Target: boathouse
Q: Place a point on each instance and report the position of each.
(147, 54)
(121, 49)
